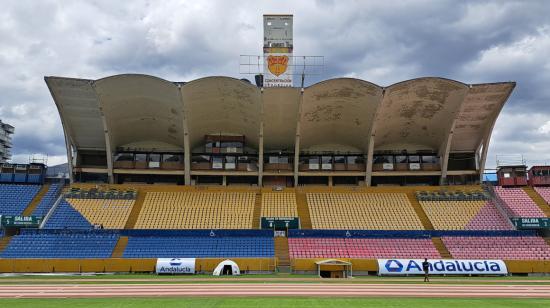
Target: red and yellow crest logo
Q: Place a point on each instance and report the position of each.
(277, 64)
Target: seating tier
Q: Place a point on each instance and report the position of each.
(279, 205)
(199, 247)
(61, 246)
(111, 213)
(14, 199)
(503, 247)
(362, 211)
(196, 210)
(367, 248)
(464, 215)
(517, 203)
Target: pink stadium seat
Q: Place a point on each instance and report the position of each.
(488, 218)
(517, 203)
(506, 248)
(361, 248)
(544, 192)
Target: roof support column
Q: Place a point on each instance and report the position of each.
(445, 156)
(372, 138)
(70, 159)
(261, 142)
(107, 138)
(108, 151)
(484, 152)
(368, 175)
(186, 146)
(297, 140)
(108, 148)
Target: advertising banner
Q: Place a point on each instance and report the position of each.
(175, 266)
(278, 70)
(442, 267)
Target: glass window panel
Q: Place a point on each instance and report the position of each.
(141, 157)
(401, 159)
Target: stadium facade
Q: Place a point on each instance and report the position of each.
(140, 128)
(6, 131)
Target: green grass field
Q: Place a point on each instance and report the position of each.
(275, 302)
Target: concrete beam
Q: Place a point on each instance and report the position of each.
(487, 136)
(261, 141)
(186, 146)
(297, 140)
(66, 133)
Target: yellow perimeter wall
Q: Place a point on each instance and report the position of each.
(120, 265)
(206, 265)
(363, 265)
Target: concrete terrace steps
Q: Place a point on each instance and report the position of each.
(440, 246)
(281, 252)
(4, 242)
(118, 251)
(303, 211)
(541, 203)
(136, 209)
(426, 223)
(257, 211)
(36, 200)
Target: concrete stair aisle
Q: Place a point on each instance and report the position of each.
(118, 251)
(443, 251)
(4, 242)
(419, 211)
(541, 203)
(282, 254)
(36, 200)
(136, 209)
(257, 211)
(303, 211)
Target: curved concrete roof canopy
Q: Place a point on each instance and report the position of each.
(337, 115)
(141, 112)
(222, 105)
(145, 112)
(417, 114)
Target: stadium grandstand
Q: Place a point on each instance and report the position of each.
(341, 172)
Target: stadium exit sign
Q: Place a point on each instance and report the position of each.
(20, 221)
(280, 223)
(531, 223)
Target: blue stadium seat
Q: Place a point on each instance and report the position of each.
(66, 217)
(59, 244)
(47, 200)
(199, 247)
(15, 198)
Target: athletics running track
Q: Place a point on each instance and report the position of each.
(271, 289)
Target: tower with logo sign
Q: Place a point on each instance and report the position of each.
(278, 51)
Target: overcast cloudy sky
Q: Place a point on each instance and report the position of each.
(380, 41)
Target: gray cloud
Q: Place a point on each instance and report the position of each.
(472, 41)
